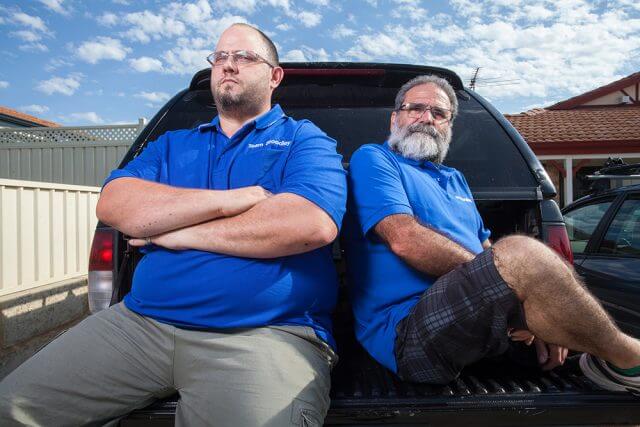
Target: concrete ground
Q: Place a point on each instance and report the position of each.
(31, 319)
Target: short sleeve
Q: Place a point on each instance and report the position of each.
(314, 171)
(483, 232)
(146, 165)
(376, 188)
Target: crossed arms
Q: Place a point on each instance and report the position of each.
(247, 222)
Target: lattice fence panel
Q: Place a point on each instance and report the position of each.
(83, 135)
(66, 155)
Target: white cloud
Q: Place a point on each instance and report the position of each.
(33, 22)
(4, 84)
(32, 34)
(319, 2)
(244, 6)
(535, 51)
(121, 2)
(341, 31)
(283, 27)
(34, 109)
(63, 85)
(147, 26)
(107, 19)
(309, 19)
(145, 64)
(102, 48)
(630, 3)
(56, 6)
(185, 60)
(34, 47)
(84, 118)
(295, 55)
(193, 13)
(285, 5)
(26, 35)
(56, 63)
(537, 12)
(467, 7)
(306, 53)
(393, 42)
(408, 9)
(250, 6)
(153, 97)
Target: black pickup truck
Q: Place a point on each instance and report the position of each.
(352, 102)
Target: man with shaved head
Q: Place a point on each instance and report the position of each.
(230, 304)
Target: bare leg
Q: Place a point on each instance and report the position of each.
(557, 306)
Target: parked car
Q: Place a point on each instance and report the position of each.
(604, 233)
(352, 103)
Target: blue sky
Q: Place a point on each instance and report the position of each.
(102, 62)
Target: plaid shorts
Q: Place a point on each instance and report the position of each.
(462, 318)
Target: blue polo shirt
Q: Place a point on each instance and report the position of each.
(205, 290)
(384, 288)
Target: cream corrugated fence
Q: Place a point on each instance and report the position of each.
(46, 231)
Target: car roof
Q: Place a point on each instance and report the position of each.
(613, 191)
(376, 74)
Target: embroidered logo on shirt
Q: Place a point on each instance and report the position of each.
(464, 199)
(271, 142)
(278, 143)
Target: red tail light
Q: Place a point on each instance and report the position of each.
(558, 239)
(101, 257)
(101, 270)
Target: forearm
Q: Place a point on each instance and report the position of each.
(142, 208)
(421, 247)
(282, 225)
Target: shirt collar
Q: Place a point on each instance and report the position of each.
(261, 122)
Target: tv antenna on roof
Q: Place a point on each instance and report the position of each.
(472, 84)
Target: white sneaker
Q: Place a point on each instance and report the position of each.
(598, 371)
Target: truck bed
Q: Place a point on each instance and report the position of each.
(492, 392)
(489, 393)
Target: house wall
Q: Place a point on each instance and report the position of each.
(614, 97)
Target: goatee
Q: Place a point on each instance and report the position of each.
(420, 142)
(245, 103)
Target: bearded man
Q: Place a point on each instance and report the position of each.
(230, 305)
(430, 294)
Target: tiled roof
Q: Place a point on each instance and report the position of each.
(588, 125)
(26, 117)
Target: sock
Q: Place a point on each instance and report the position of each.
(631, 372)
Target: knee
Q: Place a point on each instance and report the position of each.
(525, 262)
(516, 248)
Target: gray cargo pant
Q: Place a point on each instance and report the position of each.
(116, 361)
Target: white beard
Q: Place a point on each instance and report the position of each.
(420, 142)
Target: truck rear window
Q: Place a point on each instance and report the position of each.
(353, 116)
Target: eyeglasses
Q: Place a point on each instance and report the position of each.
(239, 57)
(416, 111)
